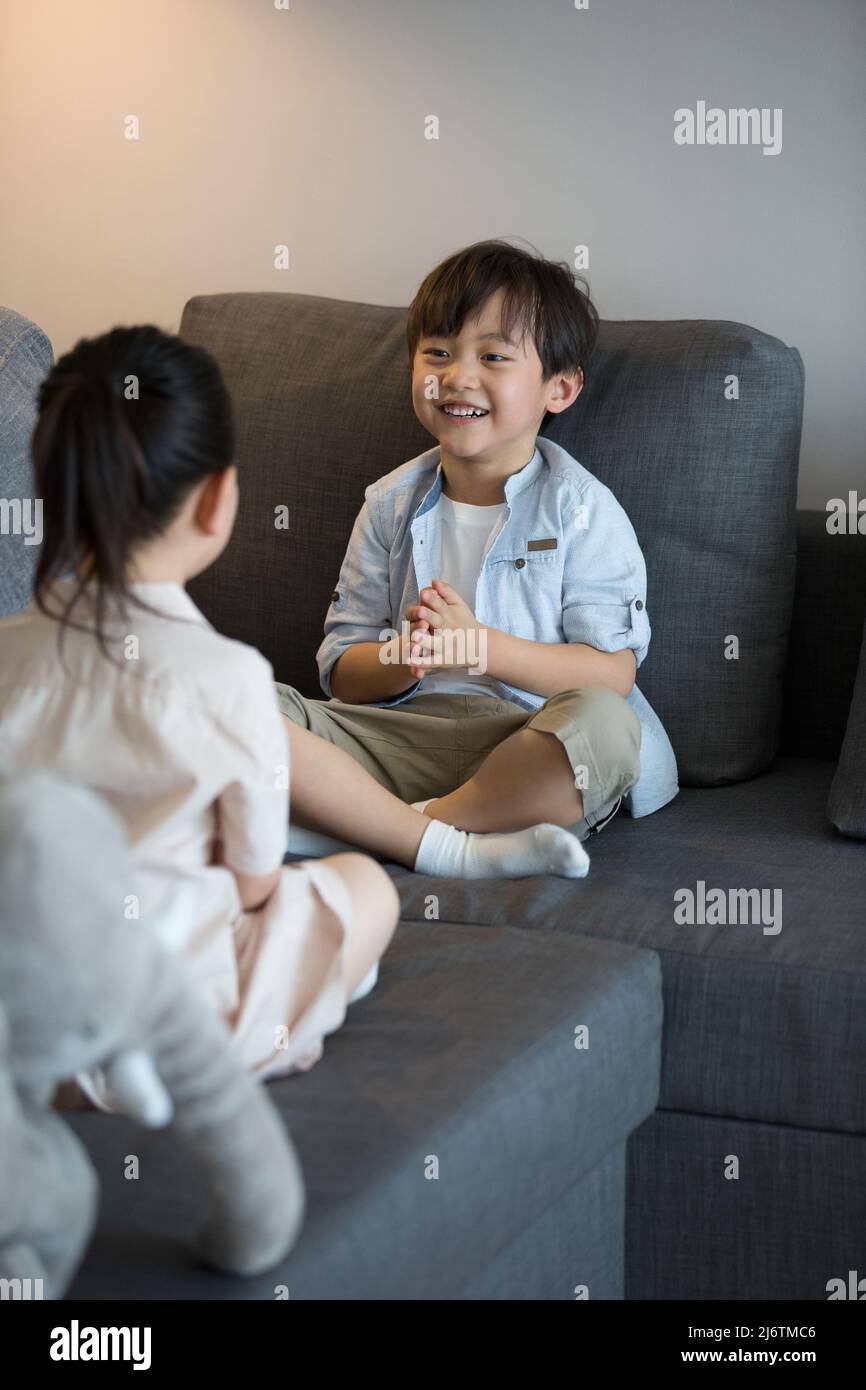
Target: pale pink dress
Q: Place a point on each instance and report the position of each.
(186, 742)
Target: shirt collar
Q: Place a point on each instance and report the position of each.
(520, 481)
(169, 596)
(166, 595)
(514, 485)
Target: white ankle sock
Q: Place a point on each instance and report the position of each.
(447, 852)
(420, 805)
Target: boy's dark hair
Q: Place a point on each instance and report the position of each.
(540, 297)
(129, 423)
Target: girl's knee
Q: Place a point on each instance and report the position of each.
(386, 896)
(375, 901)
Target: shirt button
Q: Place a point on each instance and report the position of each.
(518, 564)
(638, 603)
(335, 595)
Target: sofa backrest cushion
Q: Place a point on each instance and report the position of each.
(25, 358)
(694, 425)
(322, 409)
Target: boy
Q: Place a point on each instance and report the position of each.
(481, 646)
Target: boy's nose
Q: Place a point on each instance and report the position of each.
(458, 376)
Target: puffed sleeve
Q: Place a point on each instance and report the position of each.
(604, 576)
(360, 609)
(253, 809)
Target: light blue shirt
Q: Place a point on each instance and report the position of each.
(590, 586)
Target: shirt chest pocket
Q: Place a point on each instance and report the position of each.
(537, 563)
(525, 589)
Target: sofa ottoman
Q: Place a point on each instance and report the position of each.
(463, 1136)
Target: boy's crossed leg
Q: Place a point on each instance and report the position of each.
(332, 793)
(524, 780)
(354, 768)
(588, 738)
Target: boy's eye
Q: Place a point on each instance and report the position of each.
(431, 352)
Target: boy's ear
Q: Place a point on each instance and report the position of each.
(215, 497)
(564, 391)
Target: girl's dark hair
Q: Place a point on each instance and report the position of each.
(540, 297)
(129, 423)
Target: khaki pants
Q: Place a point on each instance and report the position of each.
(433, 743)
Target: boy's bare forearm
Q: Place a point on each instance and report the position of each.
(548, 668)
(361, 676)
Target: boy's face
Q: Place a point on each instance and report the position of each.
(479, 368)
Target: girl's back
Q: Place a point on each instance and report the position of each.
(160, 730)
(180, 732)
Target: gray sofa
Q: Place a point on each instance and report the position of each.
(458, 1139)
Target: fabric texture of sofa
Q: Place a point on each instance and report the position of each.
(25, 357)
(748, 1179)
(847, 804)
(456, 1145)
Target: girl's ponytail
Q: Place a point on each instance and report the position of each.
(128, 424)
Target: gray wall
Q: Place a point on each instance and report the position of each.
(306, 127)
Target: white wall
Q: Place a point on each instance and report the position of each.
(261, 126)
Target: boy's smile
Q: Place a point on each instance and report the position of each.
(483, 396)
(462, 410)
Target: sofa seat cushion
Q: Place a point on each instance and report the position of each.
(793, 1219)
(465, 1052)
(758, 1026)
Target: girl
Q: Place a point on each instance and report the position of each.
(115, 680)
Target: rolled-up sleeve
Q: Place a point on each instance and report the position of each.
(360, 608)
(604, 577)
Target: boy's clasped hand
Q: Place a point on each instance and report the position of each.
(444, 632)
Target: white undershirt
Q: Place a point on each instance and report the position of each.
(465, 530)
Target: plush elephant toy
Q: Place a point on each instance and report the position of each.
(82, 988)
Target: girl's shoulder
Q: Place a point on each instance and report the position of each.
(228, 676)
(166, 651)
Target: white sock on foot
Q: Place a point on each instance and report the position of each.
(540, 849)
(421, 805)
